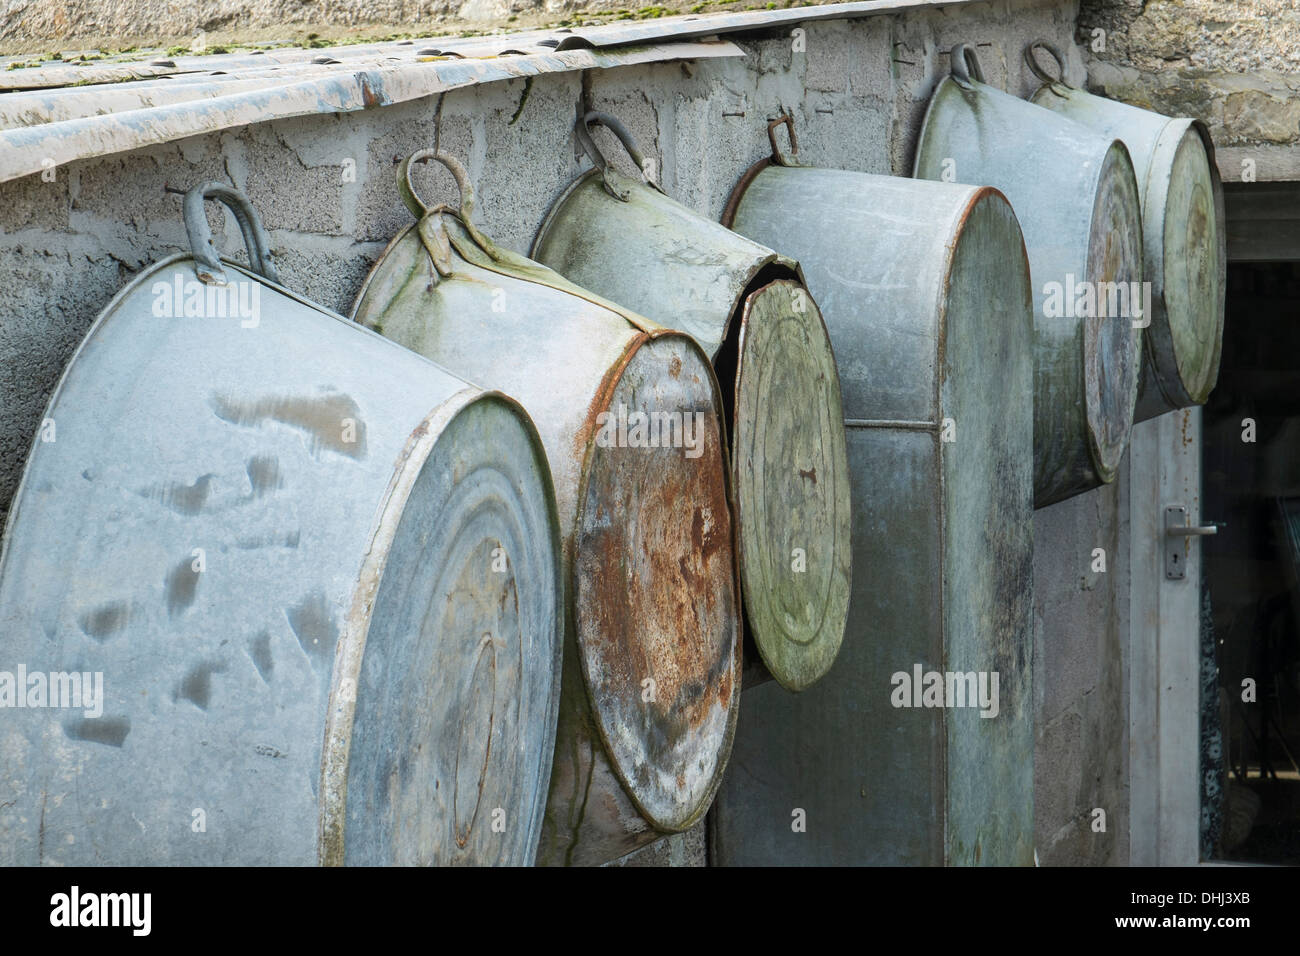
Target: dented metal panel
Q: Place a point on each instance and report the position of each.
(1184, 238)
(1077, 200)
(653, 656)
(320, 577)
(747, 307)
(925, 290)
(344, 89)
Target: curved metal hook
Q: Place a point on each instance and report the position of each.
(777, 155)
(412, 199)
(964, 65)
(583, 132)
(465, 213)
(1035, 68)
(207, 261)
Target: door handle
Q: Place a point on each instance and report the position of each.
(1193, 531)
(1177, 531)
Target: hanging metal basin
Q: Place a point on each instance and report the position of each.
(747, 307)
(926, 291)
(1183, 233)
(318, 576)
(631, 417)
(1077, 201)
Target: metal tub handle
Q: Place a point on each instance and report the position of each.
(439, 246)
(419, 208)
(778, 156)
(583, 132)
(1031, 61)
(965, 66)
(207, 262)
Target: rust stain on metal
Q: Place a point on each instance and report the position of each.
(370, 95)
(629, 241)
(648, 707)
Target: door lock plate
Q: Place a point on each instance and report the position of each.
(1177, 532)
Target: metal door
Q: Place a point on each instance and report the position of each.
(1164, 476)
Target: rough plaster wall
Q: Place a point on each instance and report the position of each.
(1234, 64)
(858, 92)
(1081, 680)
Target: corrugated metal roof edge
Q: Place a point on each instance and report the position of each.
(27, 150)
(354, 86)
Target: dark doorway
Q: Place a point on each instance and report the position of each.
(1251, 777)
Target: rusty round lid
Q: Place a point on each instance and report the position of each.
(455, 682)
(1112, 345)
(791, 477)
(657, 617)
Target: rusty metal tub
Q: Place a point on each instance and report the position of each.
(1076, 197)
(1184, 236)
(747, 307)
(925, 289)
(652, 661)
(319, 578)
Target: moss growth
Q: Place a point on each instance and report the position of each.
(314, 41)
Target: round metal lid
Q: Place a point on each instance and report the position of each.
(792, 484)
(1111, 344)
(654, 583)
(1192, 284)
(456, 679)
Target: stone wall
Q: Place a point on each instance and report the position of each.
(1234, 65)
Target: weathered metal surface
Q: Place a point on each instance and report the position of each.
(747, 308)
(711, 24)
(136, 67)
(320, 577)
(29, 149)
(925, 289)
(1185, 254)
(130, 65)
(1077, 201)
(653, 657)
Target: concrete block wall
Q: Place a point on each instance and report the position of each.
(1081, 709)
(324, 186)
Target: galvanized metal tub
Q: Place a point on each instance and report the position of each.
(1077, 201)
(320, 578)
(747, 307)
(1183, 232)
(652, 663)
(925, 289)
